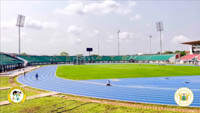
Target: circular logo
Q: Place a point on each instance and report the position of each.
(16, 95)
(184, 97)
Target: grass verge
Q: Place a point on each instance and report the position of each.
(85, 72)
(58, 104)
(4, 82)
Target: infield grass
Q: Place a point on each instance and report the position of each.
(108, 71)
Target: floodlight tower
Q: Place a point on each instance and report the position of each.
(150, 36)
(159, 27)
(118, 42)
(20, 23)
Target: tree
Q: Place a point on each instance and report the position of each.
(64, 54)
(23, 53)
(79, 55)
(182, 53)
(94, 55)
(158, 53)
(168, 52)
(177, 51)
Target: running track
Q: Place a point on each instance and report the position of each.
(145, 90)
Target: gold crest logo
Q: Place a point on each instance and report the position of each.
(16, 95)
(184, 97)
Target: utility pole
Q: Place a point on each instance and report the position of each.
(150, 36)
(98, 46)
(118, 42)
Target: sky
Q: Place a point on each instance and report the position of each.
(54, 26)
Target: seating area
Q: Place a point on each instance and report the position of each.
(133, 58)
(35, 60)
(117, 58)
(45, 60)
(198, 58)
(8, 62)
(189, 57)
(154, 57)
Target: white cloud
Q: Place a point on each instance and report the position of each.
(8, 24)
(136, 17)
(179, 39)
(122, 35)
(36, 24)
(131, 3)
(73, 8)
(75, 30)
(78, 41)
(105, 7)
(92, 33)
(126, 35)
(3, 39)
(29, 23)
(96, 31)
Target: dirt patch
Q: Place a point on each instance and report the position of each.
(12, 81)
(131, 104)
(30, 110)
(32, 90)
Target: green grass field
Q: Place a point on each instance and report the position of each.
(4, 82)
(28, 90)
(60, 105)
(85, 72)
(4, 94)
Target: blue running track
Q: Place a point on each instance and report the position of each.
(157, 90)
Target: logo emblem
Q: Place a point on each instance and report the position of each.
(184, 97)
(16, 95)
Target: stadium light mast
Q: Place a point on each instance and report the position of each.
(150, 36)
(20, 23)
(118, 42)
(159, 27)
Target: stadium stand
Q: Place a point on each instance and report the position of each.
(8, 63)
(198, 58)
(117, 58)
(154, 58)
(90, 59)
(39, 60)
(189, 57)
(142, 58)
(32, 60)
(106, 58)
(193, 57)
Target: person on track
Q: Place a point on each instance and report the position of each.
(108, 83)
(36, 76)
(24, 73)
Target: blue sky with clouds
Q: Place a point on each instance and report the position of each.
(55, 26)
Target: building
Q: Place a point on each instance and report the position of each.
(194, 55)
(195, 46)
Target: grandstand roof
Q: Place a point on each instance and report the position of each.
(6, 59)
(192, 42)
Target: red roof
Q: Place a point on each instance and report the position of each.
(198, 58)
(189, 57)
(193, 42)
